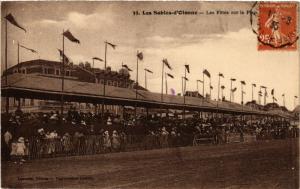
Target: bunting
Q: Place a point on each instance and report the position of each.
(33, 51)
(13, 21)
(147, 70)
(70, 36)
(140, 56)
(126, 67)
(187, 67)
(165, 61)
(206, 73)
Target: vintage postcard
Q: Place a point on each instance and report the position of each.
(150, 94)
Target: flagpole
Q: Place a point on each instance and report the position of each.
(162, 81)
(166, 84)
(197, 86)
(63, 74)
(252, 92)
(145, 79)
(104, 78)
(203, 85)
(218, 87)
(230, 89)
(6, 79)
(18, 57)
(184, 94)
(137, 74)
(210, 87)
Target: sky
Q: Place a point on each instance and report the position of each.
(218, 43)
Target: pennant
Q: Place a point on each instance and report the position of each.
(243, 82)
(96, 58)
(112, 45)
(148, 70)
(206, 73)
(165, 61)
(233, 90)
(172, 91)
(272, 92)
(171, 76)
(187, 67)
(221, 75)
(70, 36)
(33, 51)
(126, 67)
(13, 21)
(63, 56)
(254, 85)
(185, 78)
(140, 56)
(222, 87)
(233, 79)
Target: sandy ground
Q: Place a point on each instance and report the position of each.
(267, 164)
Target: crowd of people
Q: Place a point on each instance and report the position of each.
(36, 135)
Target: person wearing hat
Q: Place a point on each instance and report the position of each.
(115, 141)
(106, 142)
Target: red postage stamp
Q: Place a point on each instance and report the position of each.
(277, 26)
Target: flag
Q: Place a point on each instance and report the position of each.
(254, 85)
(70, 36)
(125, 66)
(295, 96)
(185, 78)
(233, 90)
(187, 67)
(272, 92)
(200, 81)
(243, 82)
(263, 87)
(33, 51)
(165, 61)
(243, 92)
(140, 56)
(206, 73)
(148, 70)
(172, 91)
(222, 87)
(221, 75)
(233, 79)
(63, 56)
(171, 76)
(96, 58)
(112, 45)
(275, 99)
(283, 94)
(211, 87)
(259, 92)
(13, 21)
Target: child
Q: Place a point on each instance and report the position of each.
(20, 150)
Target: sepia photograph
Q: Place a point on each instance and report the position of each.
(150, 94)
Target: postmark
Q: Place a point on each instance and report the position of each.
(277, 26)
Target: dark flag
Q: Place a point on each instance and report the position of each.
(283, 94)
(211, 87)
(243, 82)
(70, 36)
(187, 67)
(140, 56)
(185, 78)
(13, 21)
(263, 87)
(222, 87)
(275, 99)
(112, 45)
(200, 81)
(221, 75)
(148, 70)
(233, 90)
(206, 73)
(96, 58)
(233, 79)
(254, 85)
(171, 76)
(272, 92)
(125, 66)
(165, 61)
(63, 56)
(33, 51)
(295, 96)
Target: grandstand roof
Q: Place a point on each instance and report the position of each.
(41, 87)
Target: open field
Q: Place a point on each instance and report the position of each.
(264, 164)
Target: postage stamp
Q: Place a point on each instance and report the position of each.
(277, 26)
